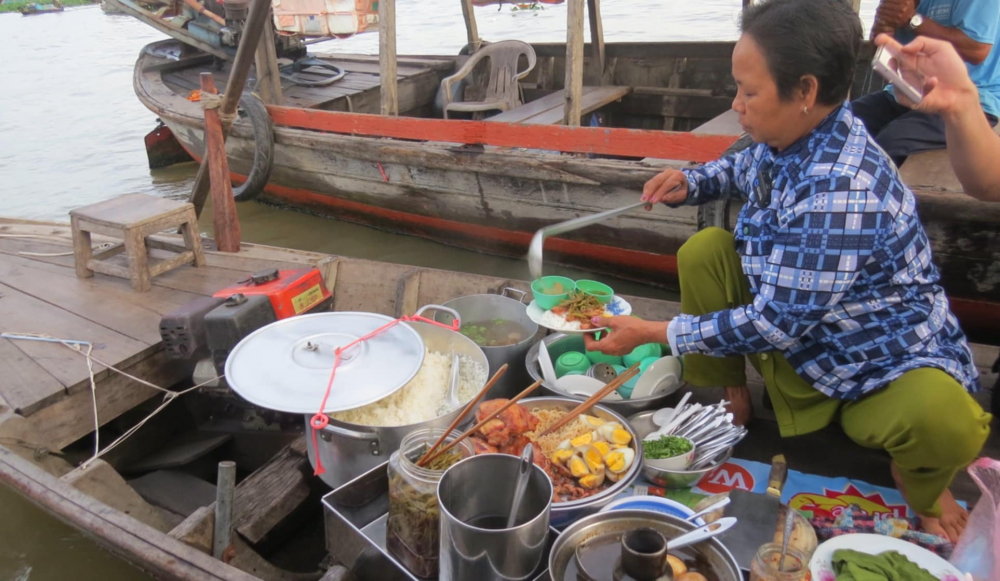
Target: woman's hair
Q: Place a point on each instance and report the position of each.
(807, 37)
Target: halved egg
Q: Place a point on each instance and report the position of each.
(592, 456)
(582, 440)
(591, 421)
(614, 433)
(562, 455)
(603, 447)
(618, 461)
(591, 481)
(578, 466)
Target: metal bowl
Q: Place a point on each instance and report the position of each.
(560, 343)
(642, 425)
(716, 555)
(564, 513)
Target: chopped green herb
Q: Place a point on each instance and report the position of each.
(665, 447)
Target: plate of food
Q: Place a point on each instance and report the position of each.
(854, 551)
(568, 306)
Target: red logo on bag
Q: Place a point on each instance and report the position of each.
(725, 478)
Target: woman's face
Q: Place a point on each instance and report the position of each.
(762, 113)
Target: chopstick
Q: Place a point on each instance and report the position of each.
(592, 400)
(468, 408)
(491, 417)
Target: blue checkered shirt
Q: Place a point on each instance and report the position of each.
(838, 262)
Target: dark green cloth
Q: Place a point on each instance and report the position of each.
(888, 566)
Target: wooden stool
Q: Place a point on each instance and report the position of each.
(132, 218)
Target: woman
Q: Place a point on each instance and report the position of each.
(828, 285)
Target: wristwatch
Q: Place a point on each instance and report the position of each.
(916, 21)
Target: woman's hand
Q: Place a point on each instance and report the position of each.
(626, 334)
(935, 67)
(669, 186)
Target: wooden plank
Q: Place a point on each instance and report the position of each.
(727, 123)
(225, 219)
(387, 57)
(174, 490)
(26, 387)
(593, 98)
(147, 548)
(72, 417)
(596, 38)
(637, 143)
(100, 482)
(129, 210)
(266, 61)
(574, 62)
(471, 30)
(23, 313)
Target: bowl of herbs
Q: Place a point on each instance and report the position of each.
(668, 452)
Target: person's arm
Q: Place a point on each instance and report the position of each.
(792, 299)
(971, 51)
(719, 179)
(973, 147)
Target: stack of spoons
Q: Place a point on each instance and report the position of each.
(709, 428)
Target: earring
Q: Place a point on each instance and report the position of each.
(805, 110)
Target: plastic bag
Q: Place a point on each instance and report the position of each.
(978, 551)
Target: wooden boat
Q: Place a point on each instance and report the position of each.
(489, 184)
(37, 8)
(149, 500)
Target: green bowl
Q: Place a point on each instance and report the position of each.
(546, 301)
(571, 361)
(603, 292)
(626, 390)
(598, 357)
(642, 352)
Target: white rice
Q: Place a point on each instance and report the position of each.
(559, 322)
(421, 399)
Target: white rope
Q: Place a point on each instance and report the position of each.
(103, 246)
(76, 347)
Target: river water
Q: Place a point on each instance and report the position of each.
(71, 133)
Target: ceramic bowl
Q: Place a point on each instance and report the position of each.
(602, 292)
(679, 462)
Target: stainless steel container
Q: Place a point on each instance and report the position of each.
(642, 424)
(349, 450)
(474, 497)
(474, 308)
(710, 554)
(561, 343)
(564, 513)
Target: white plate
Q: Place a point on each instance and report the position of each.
(617, 306)
(821, 564)
(653, 504)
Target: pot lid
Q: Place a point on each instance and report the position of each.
(285, 366)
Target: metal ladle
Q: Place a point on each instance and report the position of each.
(523, 473)
(535, 249)
(451, 401)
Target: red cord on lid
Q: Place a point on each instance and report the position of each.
(321, 420)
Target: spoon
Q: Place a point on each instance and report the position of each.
(538, 240)
(451, 401)
(789, 524)
(663, 417)
(712, 508)
(523, 472)
(545, 362)
(700, 534)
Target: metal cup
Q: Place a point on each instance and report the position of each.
(475, 498)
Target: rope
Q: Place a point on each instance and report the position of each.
(102, 246)
(210, 101)
(77, 347)
(320, 420)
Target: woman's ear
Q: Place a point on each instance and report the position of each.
(808, 90)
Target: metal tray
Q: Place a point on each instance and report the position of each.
(354, 521)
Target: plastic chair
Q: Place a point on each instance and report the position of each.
(503, 91)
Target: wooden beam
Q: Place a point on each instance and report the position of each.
(225, 219)
(266, 60)
(574, 62)
(637, 143)
(597, 37)
(387, 57)
(471, 30)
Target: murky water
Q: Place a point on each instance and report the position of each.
(71, 133)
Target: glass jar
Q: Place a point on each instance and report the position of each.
(765, 564)
(412, 529)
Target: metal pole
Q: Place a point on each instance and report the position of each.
(245, 54)
(225, 491)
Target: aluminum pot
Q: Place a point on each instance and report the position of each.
(349, 450)
(711, 552)
(564, 513)
(560, 343)
(474, 308)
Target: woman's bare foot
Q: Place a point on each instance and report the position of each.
(740, 404)
(951, 524)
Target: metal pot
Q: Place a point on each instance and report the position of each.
(560, 343)
(564, 513)
(349, 450)
(716, 556)
(474, 308)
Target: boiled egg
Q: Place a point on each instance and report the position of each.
(591, 481)
(602, 447)
(592, 456)
(583, 440)
(591, 421)
(618, 461)
(578, 466)
(614, 433)
(562, 455)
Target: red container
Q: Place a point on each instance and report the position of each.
(292, 292)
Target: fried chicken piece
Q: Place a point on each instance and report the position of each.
(508, 426)
(482, 447)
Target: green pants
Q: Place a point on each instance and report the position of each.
(925, 420)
